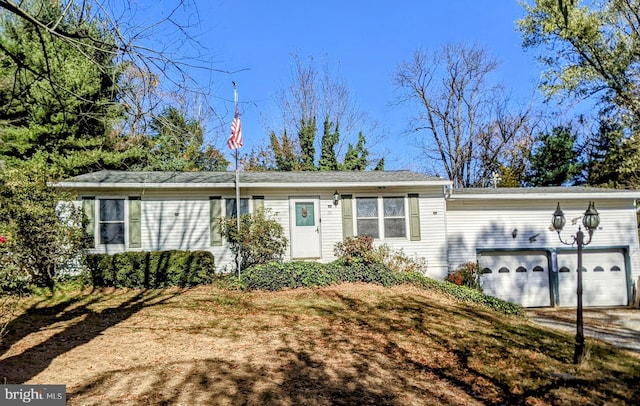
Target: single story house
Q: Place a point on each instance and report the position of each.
(507, 230)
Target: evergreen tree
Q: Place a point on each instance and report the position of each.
(177, 145)
(56, 107)
(307, 138)
(284, 153)
(328, 160)
(554, 161)
(356, 157)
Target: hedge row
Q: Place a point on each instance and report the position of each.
(297, 274)
(151, 269)
(300, 274)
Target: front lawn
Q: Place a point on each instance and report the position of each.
(345, 344)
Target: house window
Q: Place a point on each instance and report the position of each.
(230, 207)
(394, 218)
(111, 223)
(381, 217)
(367, 216)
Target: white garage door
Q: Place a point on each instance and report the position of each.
(604, 280)
(518, 277)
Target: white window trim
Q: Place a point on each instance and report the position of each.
(380, 202)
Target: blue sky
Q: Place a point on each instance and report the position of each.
(361, 41)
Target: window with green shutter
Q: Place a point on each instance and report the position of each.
(414, 217)
(89, 210)
(347, 216)
(215, 210)
(135, 222)
(258, 204)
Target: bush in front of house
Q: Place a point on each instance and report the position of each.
(307, 274)
(260, 239)
(359, 250)
(288, 275)
(151, 269)
(467, 274)
(462, 293)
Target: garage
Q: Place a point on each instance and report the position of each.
(516, 276)
(604, 278)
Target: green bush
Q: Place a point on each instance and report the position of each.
(297, 274)
(155, 269)
(282, 275)
(462, 293)
(260, 240)
(13, 281)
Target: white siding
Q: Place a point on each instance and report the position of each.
(489, 224)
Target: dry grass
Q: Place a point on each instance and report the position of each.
(349, 344)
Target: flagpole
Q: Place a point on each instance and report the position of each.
(239, 257)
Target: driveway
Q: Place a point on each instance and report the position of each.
(617, 326)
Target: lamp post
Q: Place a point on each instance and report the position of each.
(590, 221)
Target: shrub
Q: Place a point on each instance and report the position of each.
(467, 274)
(357, 249)
(462, 293)
(261, 238)
(360, 250)
(282, 275)
(41, 235)
(155, 269)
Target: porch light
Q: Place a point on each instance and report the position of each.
(336, 198)
(591, 218)
(558, 220)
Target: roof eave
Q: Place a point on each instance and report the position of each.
(269, 185)
(548, 196)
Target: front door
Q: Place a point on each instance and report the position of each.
(305, 228)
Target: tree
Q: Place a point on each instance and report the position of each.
(312, 95)
(162, 49)
(54, 107)
(330, 137)
(461, 125)
(356, 157)
(42, 235)
(601, 153)
(588, 50)
(177, 145)
(554, 160)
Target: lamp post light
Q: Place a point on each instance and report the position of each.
(590, 221)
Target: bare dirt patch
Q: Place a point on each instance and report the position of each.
(348, 344)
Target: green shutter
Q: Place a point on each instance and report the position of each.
(215, 210)
(258, 204)
(89, 210)
(414, 218)
(347, 216)
(135, 223)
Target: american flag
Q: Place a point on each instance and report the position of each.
(235, 140)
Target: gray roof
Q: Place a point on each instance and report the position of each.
(200, 179)
(548, 192)
(536, 190)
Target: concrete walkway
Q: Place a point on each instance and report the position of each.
(617, 326)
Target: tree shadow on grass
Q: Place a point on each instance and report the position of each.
(495, 333)
(20, 368)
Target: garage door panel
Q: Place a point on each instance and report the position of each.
(518, 277)
(604, 280)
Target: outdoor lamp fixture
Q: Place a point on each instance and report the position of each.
(590, 221)
(336, 198)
